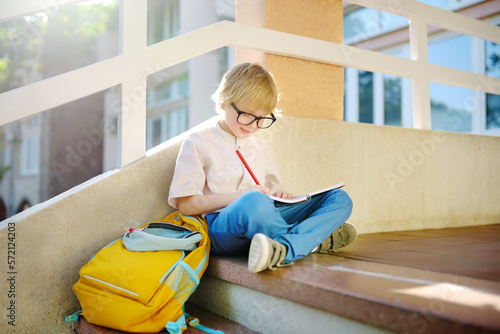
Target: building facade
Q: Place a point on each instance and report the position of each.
(386, 100)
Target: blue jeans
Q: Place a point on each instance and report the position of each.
(301, 227)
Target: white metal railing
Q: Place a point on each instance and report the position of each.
(137, 60)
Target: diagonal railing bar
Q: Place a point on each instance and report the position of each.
(58, 90)
(289, 45)
(181, 48)
(73, 85)
(99, 76)
(438, 17)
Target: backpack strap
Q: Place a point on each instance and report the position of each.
(181, 324)
(178, 326)
(194, 322)
(72, 318)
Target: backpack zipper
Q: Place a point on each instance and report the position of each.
(111, 285)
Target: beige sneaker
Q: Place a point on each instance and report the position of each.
(342, 237)
(265, 253)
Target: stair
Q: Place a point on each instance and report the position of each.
(428, 281)
(206, 318)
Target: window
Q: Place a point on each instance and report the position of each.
(385, 99)
(361, 23)
(392, 100)
(165, 126)
(167, 106)
(163, 20)
(450, 110)
(451, 50)
(492, 68)
(30, 146)
(451, 5)
(5, 152)
(365, 96)
(172, 90)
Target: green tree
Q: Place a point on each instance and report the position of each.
(19, 48)
(62, 39)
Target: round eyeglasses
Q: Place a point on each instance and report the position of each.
(245, 118)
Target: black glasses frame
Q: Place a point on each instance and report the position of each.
(255, 118)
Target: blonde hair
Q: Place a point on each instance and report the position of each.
(247, 83)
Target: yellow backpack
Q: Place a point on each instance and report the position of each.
(139, 283)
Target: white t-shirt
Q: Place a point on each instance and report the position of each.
(208, 164)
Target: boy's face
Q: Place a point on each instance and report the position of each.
(231, 120)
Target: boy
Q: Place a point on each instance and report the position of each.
(211, 180)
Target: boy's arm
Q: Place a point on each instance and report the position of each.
(200, 204)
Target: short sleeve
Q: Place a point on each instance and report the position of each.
(273, 176)
(189, 174)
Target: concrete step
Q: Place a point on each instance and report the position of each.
(206, 318)
(429, 281)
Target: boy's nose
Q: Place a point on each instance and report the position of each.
(254, 124)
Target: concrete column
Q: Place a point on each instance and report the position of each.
(308, 89)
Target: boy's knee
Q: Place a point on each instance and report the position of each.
(341, 198)
(252, 204)
(255, 208)
(344, 197)
(253, 201)
(346, 200)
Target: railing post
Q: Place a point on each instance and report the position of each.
(420, 83)
(133, 47)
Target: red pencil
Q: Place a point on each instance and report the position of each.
(247, 167)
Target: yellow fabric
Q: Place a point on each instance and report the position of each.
(130, 291)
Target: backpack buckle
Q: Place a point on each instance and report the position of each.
(192, 321)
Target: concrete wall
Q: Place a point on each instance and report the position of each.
(399, 179)
(307, 89)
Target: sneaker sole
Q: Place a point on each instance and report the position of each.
(259, 253)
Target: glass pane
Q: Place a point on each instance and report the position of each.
(365, 97)
(492, 111)
(364, 23)
(62, 147)
(164, 16)
(451, 108)
(437, 3)
(163, 20)
(43, 45)
(157, 132)
(450, 4)
(177, 122)
(392, 100)
(454, 52)
(493, 69)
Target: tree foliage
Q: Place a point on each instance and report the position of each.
(44, 41)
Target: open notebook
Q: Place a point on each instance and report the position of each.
(306, 197)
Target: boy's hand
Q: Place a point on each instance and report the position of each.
(283, 194)
(262, 189)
